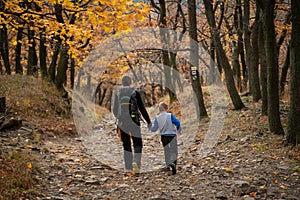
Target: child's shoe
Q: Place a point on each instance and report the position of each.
(173, 167)
(166, 168)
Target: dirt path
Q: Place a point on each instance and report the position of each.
(245, 164)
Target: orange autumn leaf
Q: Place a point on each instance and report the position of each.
(29, 165)
(193, 180)
(253, 194)
(229, 169)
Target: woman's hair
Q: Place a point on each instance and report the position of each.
(162, 106)
(126, 81)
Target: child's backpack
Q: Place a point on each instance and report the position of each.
(127, 102)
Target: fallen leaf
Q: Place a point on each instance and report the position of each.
(253, 194)
(114, 183)
(29, 165)
(66, 192)
(106, 170)
(273, 157)
(275, 181)
(283, 187)
(193, 180)
(229, 169)
(262, 186)
(67, 183)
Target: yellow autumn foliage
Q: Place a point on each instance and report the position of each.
(94, 20)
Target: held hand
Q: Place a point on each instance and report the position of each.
(149, 126)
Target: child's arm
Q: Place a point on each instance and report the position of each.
(154, 126)
(176, 122)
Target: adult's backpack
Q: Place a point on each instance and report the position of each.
(128, 107)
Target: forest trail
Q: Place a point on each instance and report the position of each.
(247, 162)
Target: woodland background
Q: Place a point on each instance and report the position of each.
(253, 44)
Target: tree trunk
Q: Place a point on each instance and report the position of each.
(284, 71)
(293, 133)
(52, 68)
(222, 58)
(102, 96)
(237, 45)
(80, 73)
(283, 34)
(4, 42)
(263, 70)
(19, 68)
(165, 54)
(42, 48)
(4, 48)
(72, 72)
(43, 54)
(61, 77)
(247, 41)
(254, 78)
(272, 65)
(58, 45)
(194, 59)
(2, 104)
(32, 56)
(1, 71)
(175, 73)
(236, 65)
(212, 66)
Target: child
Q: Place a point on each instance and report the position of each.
(164, 122)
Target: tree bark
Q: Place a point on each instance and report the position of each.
(236, 67)
(272, 65)
(2, 104)
(80, 73)
(284, 71)
(165, 54)
(238, 24)
(222, 58)
(194, 59)
(42, 48)
(72, 72)
(1, 71)
(19, 68)
(52, 68)
(43, 54)
(32, 56)
(212, 64)
(293, 133)
(61, 77)
(254, 78)
(4, 48)
(241, 23)
(263, 70)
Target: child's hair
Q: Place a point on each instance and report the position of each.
(162, 106)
